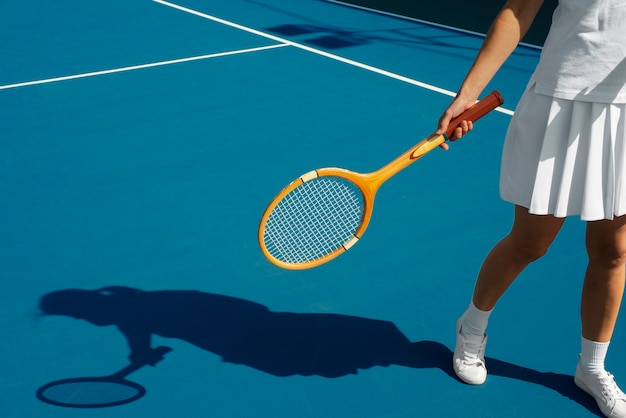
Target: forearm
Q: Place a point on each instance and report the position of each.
(509, 27)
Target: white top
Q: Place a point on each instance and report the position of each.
(584, 56)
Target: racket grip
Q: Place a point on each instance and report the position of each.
(477, 111)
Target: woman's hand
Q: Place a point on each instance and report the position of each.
(458, 106)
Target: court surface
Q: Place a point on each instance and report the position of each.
(140, 142)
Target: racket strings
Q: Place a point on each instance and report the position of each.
(313, 220)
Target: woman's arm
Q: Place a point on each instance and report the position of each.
(508, 28)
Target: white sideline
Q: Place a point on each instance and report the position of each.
(319, 52)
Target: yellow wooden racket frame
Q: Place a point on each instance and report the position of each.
(369, 183)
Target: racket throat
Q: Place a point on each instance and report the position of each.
(377, 178)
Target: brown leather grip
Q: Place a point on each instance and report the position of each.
(477, 111)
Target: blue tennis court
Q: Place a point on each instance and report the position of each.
(140, 143)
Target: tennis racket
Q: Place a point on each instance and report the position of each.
(324, 212)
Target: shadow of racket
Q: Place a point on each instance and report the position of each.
(96, 392)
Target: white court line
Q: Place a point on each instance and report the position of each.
(319, 52)
(139, 67)
(425, 22)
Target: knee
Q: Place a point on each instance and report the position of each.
(533, 252)
(528, 251)
(607, 255)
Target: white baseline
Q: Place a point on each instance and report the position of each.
(139, 67)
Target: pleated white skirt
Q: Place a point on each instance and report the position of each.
(566, 158)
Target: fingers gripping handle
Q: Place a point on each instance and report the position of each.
(477, 111)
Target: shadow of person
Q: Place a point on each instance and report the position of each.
(279, 343)
(240, 331)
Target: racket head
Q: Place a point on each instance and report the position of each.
(90, 392)
(316, 218)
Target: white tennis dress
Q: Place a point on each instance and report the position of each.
(565, 149)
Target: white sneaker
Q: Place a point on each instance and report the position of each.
(602, 387)
(468, 360)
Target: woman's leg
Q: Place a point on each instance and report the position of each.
(529, 239)
(604, 280)
(601, 298)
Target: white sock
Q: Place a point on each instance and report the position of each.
(592, 356)
(475, 321)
